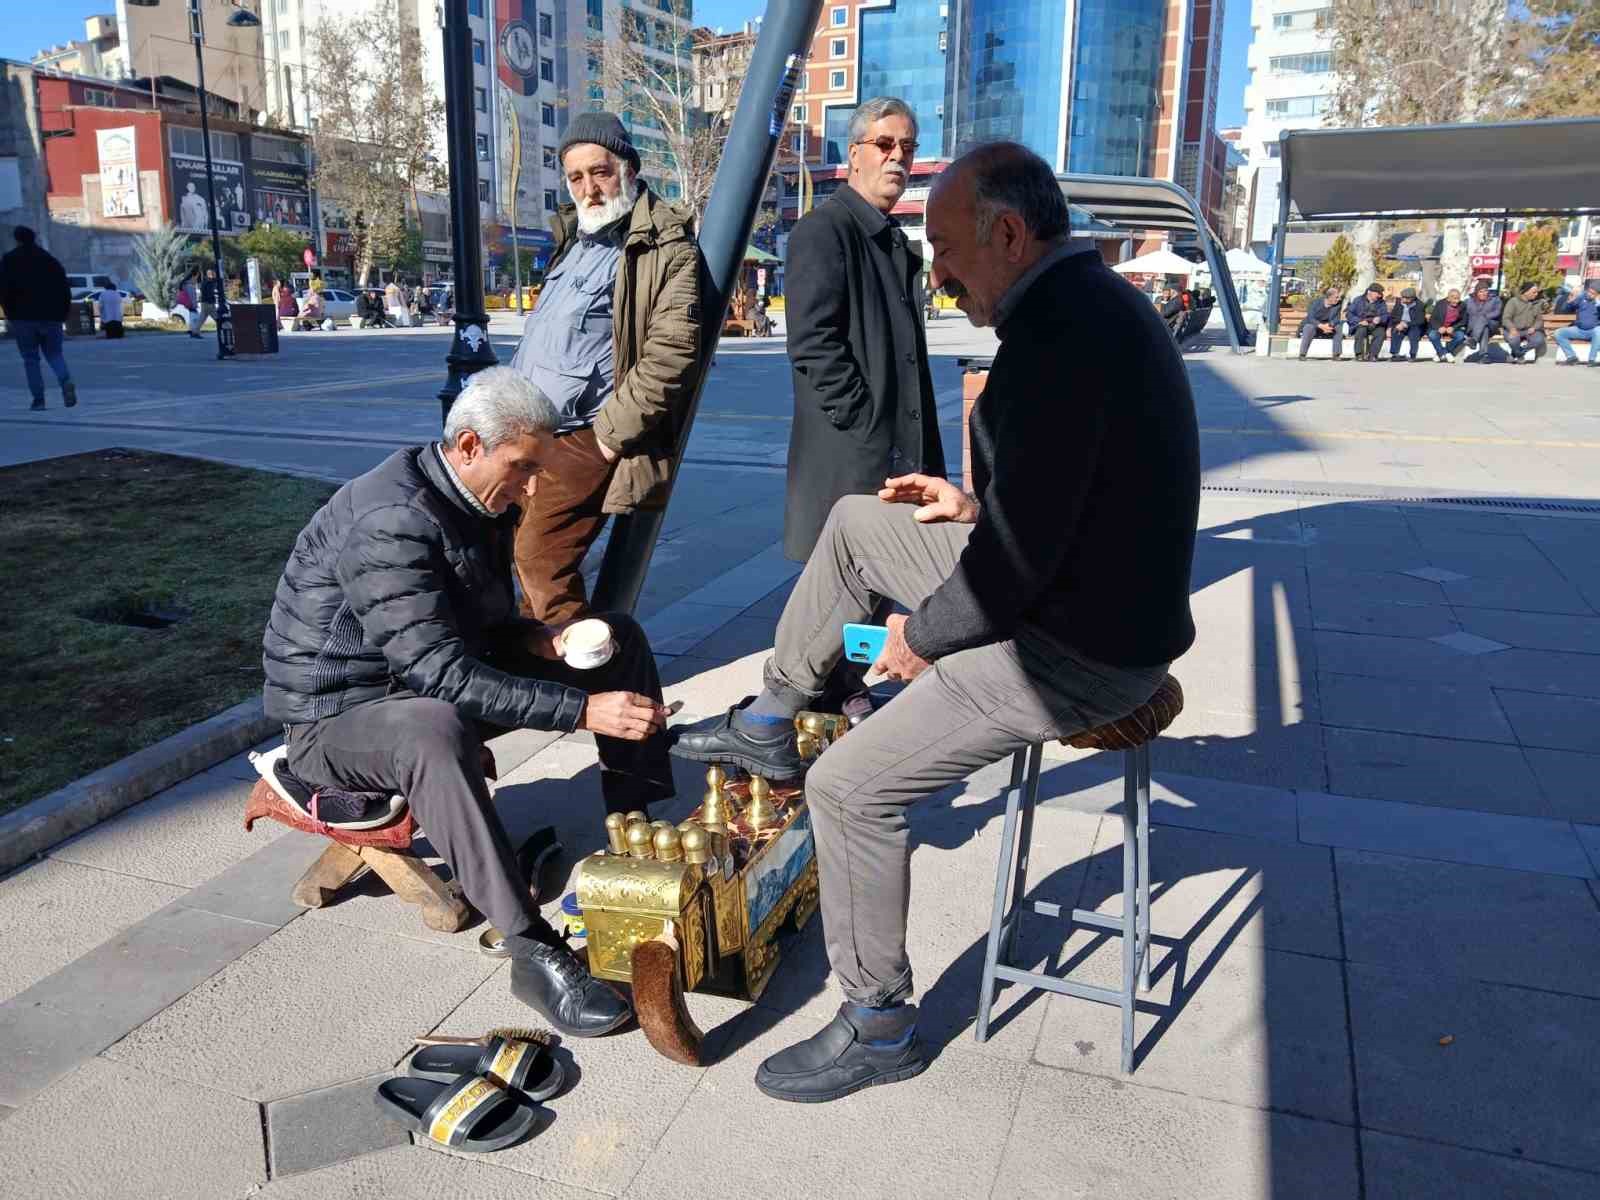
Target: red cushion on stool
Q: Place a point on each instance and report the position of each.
(1142, 725)
(264, 802)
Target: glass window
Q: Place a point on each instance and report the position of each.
(836, 47)
(839, 17)
(547, 27)
(475, 8)
(836, 135)
(483, 145)
(551, 162)
(98, 96)
(478, 55)
(265, 148)
(283, 39)
(799, 112)
(547, 115)
(549, 199)
(1283, 20)
(836, 81)
(547, 70)
(1319, 63)
(483, 189)
(597, 14)
(1297, 106)
(283, 6)
(480, 99)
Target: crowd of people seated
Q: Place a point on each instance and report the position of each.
(1460, 329)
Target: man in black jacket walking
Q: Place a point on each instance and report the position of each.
(35, 297)
(395, 643)
(864, 407)
(1050, 600)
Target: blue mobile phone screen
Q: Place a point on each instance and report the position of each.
(864, 643)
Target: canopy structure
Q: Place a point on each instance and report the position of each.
(1242, 262)
(1134, 205)
(1157, 262)
(1510, 169)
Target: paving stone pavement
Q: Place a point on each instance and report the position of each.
(1375, 849)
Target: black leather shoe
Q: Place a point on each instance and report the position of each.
(553, 981)
(719, 740)
(839, 1060)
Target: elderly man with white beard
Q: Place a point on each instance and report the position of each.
(614, 342)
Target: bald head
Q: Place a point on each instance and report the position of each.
(991, 215)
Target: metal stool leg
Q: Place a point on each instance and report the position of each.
(1142, 754)
(1019, 881)
(1129, 920)
(998, 917)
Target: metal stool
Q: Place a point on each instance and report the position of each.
(1132, 735)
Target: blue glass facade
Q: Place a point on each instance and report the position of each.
(902, 54)
(1006, 65)
(1116, 73)
(1004, 73)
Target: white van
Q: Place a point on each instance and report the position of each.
(89, 285)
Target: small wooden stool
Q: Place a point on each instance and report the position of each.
(1132, 735)
(387, 851)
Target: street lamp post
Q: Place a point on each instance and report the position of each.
(470, 350)
(516, 247)
(241, 17)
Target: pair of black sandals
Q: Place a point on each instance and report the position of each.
(476, 1095)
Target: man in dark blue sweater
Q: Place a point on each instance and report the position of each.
(1051, 599)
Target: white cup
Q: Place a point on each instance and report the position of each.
(588, 644)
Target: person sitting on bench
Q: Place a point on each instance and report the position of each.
(394, 643)
(1524, 321)
(1367, 316)
(1322, 320)
(1407, 322)
(1050, 601)
(1445, 325)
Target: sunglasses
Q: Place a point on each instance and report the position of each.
(886, 145)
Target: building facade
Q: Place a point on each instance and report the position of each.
(154, 42)
(1291, 85)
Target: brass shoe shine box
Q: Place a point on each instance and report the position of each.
(730, 879)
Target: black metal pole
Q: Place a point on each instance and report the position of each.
(1280, 240)
(764, 104)
(224, 317)
(470, 350)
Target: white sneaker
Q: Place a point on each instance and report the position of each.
(1449, 358)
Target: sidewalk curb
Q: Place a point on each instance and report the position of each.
(50, 820)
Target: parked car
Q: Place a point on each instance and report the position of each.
(90, 284)
(337, 303)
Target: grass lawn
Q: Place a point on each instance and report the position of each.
(95, 540)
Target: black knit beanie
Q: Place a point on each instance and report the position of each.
(601, 129)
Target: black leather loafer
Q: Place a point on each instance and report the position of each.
(551, 980)
(841, 1059)
(719, 740)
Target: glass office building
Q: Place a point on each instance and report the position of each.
(1116, 75)
(1006, 69)
(902, 54)
(1004, 74)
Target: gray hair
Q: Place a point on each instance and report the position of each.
(877, 109)
(499, 404)
(1008, 177)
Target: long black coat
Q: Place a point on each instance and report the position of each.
(864, 406)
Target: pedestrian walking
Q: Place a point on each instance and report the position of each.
(864, 405)
(36, 298)
(188, 299)
(210, 293)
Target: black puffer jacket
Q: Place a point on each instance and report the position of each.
(397, 583)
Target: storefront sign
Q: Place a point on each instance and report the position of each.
(119, 172)
(190, 193)
(282, 194)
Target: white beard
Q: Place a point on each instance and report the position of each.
(593, 219)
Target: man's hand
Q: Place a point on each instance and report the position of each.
(898, 660)
(938, 499)
(626, 715)
(1325, 328)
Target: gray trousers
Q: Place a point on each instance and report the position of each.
(428, 751)
(969, 709)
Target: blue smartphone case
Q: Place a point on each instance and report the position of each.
(865, 643)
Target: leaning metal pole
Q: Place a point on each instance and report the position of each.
(224, 317)
(758, 122)
(470, 350)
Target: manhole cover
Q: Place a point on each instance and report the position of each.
(137, 612)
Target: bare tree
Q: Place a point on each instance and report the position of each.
(647, 71)
(1556, 44)
(1420, 62)
(376, 124)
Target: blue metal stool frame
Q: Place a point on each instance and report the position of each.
(1132, 926)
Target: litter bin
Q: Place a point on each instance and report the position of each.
(255, 328)
(974, 377)
(80, 318)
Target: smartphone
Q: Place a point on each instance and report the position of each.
(865, 643)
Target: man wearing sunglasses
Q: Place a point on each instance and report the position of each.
(864, 407)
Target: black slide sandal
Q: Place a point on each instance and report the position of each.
(523, 1066)
(469, 1113)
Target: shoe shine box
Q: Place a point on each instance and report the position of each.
(731, 880)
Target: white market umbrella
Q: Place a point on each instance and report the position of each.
(1157, 262)
(1242, 262)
